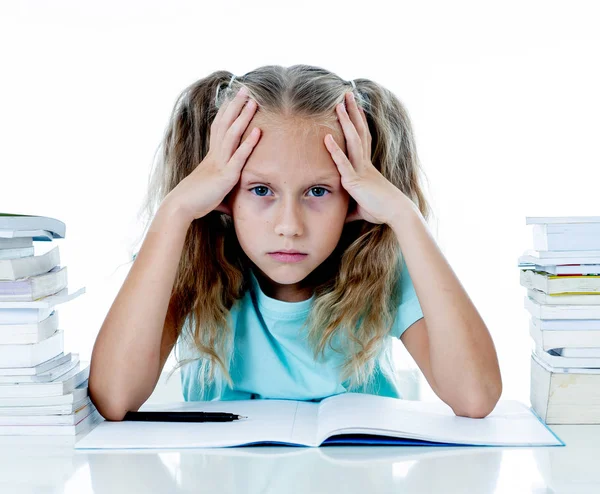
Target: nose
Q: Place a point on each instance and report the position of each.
(289, 220)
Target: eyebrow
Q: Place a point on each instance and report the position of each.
(324, 178)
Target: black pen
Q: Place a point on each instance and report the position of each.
(154, 416)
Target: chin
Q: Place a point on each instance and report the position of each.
(284, 273)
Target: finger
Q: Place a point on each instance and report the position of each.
(364, 116)
(239, 158)
(353, 140)
(231, 110)
(232, 137)
(222, 108)
(339, 157)
(367, 131)
(356, 117)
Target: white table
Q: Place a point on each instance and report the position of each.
(572, 469)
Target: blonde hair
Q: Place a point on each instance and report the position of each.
(356, 289)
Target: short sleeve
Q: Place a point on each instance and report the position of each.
(409, 310)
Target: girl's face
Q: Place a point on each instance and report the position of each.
(289, 197)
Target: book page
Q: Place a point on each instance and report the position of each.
(277, 421)
(45, 302)
(510, 423)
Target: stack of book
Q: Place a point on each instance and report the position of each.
(562, 277)
(43, 391)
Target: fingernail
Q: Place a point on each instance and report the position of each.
(243, 91)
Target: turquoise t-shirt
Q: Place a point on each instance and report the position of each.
(271, 361)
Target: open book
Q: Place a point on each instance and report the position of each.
(347, 418)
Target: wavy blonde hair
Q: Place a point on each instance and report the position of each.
(356, 288)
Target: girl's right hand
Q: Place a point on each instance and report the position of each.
(205, 188)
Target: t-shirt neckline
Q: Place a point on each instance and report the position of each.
(279, 306)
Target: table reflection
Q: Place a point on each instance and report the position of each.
(264, 469)
(42, 469)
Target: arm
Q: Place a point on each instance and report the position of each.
(452, 344)
(456, 350)
(131, 347)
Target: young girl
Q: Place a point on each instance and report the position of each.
(290, 160)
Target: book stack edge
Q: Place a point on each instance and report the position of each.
(562, 278)
(43, 390)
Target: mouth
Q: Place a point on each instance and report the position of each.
(288, 252)
(288, 257)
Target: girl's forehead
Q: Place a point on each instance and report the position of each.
(278, 159)
(313, 173)
(294, 125)
(293, 138)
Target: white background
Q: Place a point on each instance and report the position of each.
(503, 97)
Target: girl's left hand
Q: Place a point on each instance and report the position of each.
(375, 196)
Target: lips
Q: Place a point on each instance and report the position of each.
(286, 257)
(287, 252)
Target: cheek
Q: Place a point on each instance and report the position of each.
(245, 230)
(339, 203)
(245, 209)
(330, 211)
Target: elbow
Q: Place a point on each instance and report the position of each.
(478, 411)
(110, 408)
(112, 414)
(481, 404)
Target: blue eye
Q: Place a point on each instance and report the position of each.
(258, 187)
(321, 188)
(313, 188)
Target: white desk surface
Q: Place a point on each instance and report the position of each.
(572, 469)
